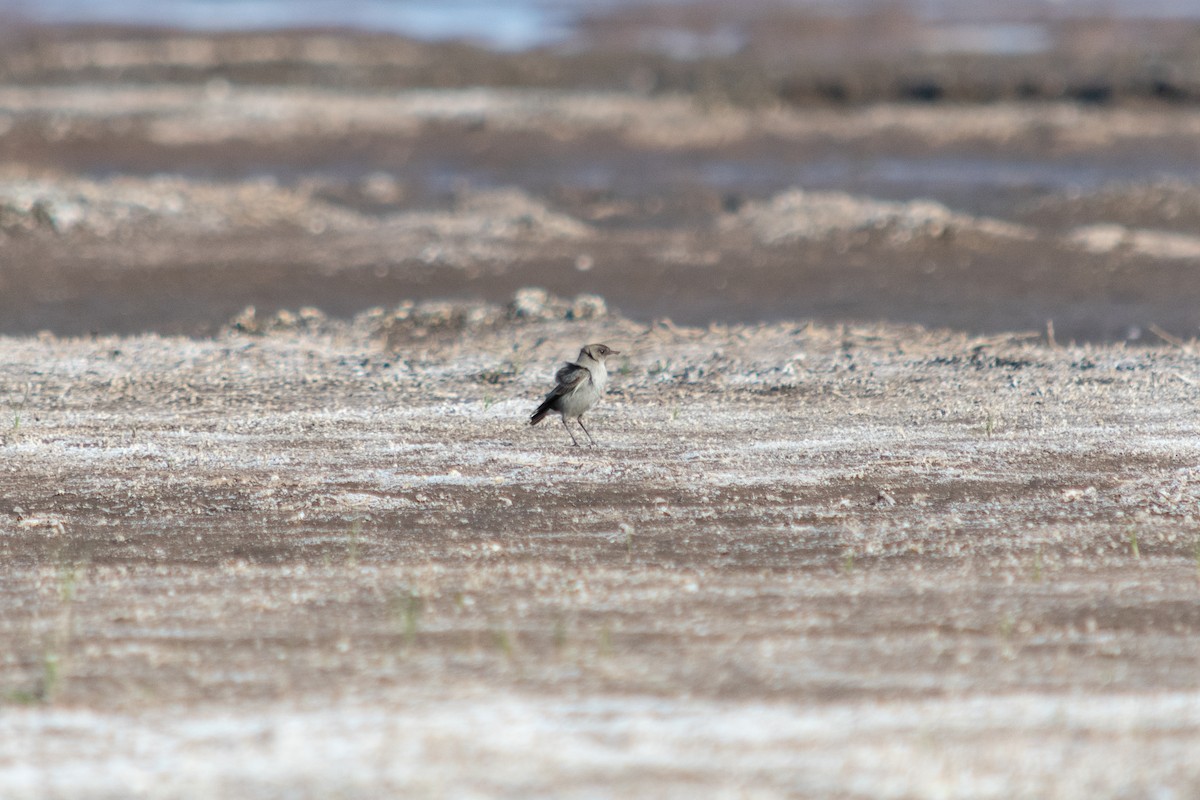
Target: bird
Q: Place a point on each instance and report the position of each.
(578, 385)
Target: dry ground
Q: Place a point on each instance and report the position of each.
(306, 556)
(313, 559)
(127, 208)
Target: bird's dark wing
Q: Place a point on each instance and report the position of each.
(566, 379)
(569, 376)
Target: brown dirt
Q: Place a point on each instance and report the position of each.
(127, 208)
(785, 531)
(274, 525)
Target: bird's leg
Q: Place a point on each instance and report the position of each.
(568, 427)
(585, 430)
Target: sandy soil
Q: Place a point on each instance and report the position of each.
(310, 557)
(159, 181)
(903, 502)
(472, 194)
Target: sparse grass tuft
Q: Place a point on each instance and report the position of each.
(659, 368)
(627, 529)
(54, 657)
(52, 675)
(1008, 625)
(68, 581)
(990, 423)
(1133, 542)
(605, 644)
(407, 606)
(18, 409)
(559, 636)
(503, 642)
(22, 697)
(54, 662)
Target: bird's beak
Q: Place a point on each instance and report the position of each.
(614, 352)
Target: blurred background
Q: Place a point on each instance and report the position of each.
(687, 26)
(1030, 166)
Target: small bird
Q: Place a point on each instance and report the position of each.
(578, 386)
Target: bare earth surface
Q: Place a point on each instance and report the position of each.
(897, 491)
(152, 186)
(329, 559)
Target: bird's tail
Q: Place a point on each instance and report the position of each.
(541, 412)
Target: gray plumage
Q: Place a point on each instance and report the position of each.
(579, 385)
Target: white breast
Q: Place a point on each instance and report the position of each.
(599, 375)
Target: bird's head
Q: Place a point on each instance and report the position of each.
(597, 352)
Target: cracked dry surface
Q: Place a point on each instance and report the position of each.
(334, 560)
